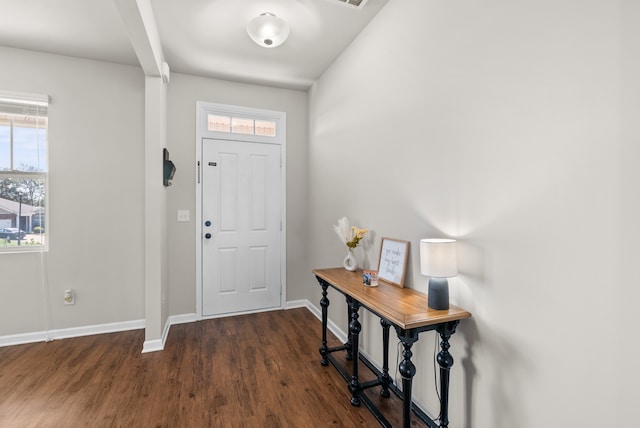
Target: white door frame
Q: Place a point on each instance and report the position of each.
(203, 109)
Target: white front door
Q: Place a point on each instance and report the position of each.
(241, 226)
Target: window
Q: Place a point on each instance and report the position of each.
(23, 172)
(241, 125)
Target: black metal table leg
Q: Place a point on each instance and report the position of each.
(445, 361)
(324, 303)
(407, 371)
(385, 379)
(348, 345)
(354, 330)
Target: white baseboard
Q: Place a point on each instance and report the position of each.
(158, 344)
(21, 339)
(65, 333)
(148, 345)
(155, 345)
(293, 304)
(183, 319)
(152, 345)
(333, 327)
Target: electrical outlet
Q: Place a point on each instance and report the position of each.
(69, 297)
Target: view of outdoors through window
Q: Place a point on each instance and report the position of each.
(241, 125)
(23, 168)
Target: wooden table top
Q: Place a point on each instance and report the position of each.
(403, 307)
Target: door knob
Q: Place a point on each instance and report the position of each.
(207, 223)
(207, 235)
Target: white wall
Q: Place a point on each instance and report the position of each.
(96, 135)
(183, 92)
(625, 357)
(96, 143)
(506, 125)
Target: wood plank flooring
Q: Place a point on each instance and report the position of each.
(258, 370)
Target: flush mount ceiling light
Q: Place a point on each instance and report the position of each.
(267, 30)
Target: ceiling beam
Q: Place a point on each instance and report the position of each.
(140, 25)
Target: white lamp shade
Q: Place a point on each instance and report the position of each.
(268, 31)
(438, 258)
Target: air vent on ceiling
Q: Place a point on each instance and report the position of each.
(355, 4)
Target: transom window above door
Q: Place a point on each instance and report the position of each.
(241, 125)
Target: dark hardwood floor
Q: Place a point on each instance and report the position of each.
(258, 370)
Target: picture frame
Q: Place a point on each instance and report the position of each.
(392, 264)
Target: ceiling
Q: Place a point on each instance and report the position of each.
(199, 37)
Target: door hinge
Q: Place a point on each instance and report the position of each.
(198, 172)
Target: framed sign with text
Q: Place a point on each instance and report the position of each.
(392, 265)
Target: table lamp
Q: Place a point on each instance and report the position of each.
(438, 262)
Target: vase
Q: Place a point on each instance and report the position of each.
(351, 262)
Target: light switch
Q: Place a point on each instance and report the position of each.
(184, 215)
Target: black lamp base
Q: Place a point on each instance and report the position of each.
(438, 293)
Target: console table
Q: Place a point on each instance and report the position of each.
(407, 311)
